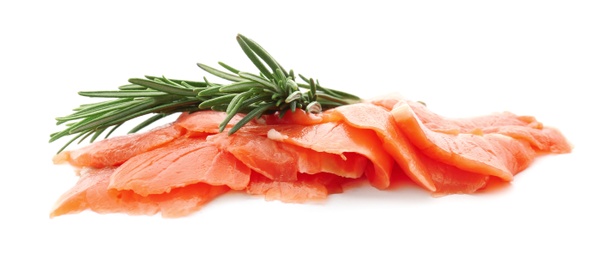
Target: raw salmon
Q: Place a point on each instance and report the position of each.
(527, 128)
(116, 150)
(283, 162)
(206, 121)
(449, 179)
(301, 157)
(184, 162)
(340, 138)
(439, 123)
(369, 116)
(91, 192)
(488, 154)
(254, 143)
(299, 117)
(302, 190)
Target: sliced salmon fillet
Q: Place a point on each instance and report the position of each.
(301, 157)
(91, 192)
(541, 138)
(439, 123)
(547, 140)
(183, 162)
(116, 150)
(340, 138)
(282, 162)
(449, 179)
(376, 118)
(446, 178)
(333, 183)
(347, 165)
(307, 188)
(487, 154)
(206, 121)
(267, 157)
(299, 117)
(318, 133)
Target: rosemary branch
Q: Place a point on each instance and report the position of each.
(273, 90)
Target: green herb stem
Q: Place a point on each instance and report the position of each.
(270, 90)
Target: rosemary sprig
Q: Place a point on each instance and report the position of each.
(273, 90)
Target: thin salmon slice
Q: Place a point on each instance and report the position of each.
(347, 165)
(206, 121)
(91, 192)
(184, 162)
(546, 140)
(487, 154)
(376, 118)
(340, 138)
(270, 158)
(314, 187)
(115, 151)
(304, 130)
(282, 162)
(439, 123)
(449, 179)
(299, 117)
(334, 184)
(541, 138)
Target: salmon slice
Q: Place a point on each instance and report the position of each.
(183, 162)
(333, 183)
(488, 154)
(376, 118)
(446, 178)
(116, 150)
(206, 121)
(340, 138)
(282, 162)
(347, 165)
(449, 179)
(439, 123)
(386, 102)
(299, 117)
(547, 140)
(327, 138)
(307, 188)
(272, 159)
(91, 192)
(543, 139)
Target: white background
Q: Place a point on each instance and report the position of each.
(549, 59)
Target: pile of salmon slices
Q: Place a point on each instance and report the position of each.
(176, 169)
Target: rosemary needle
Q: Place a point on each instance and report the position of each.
(271, 90)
